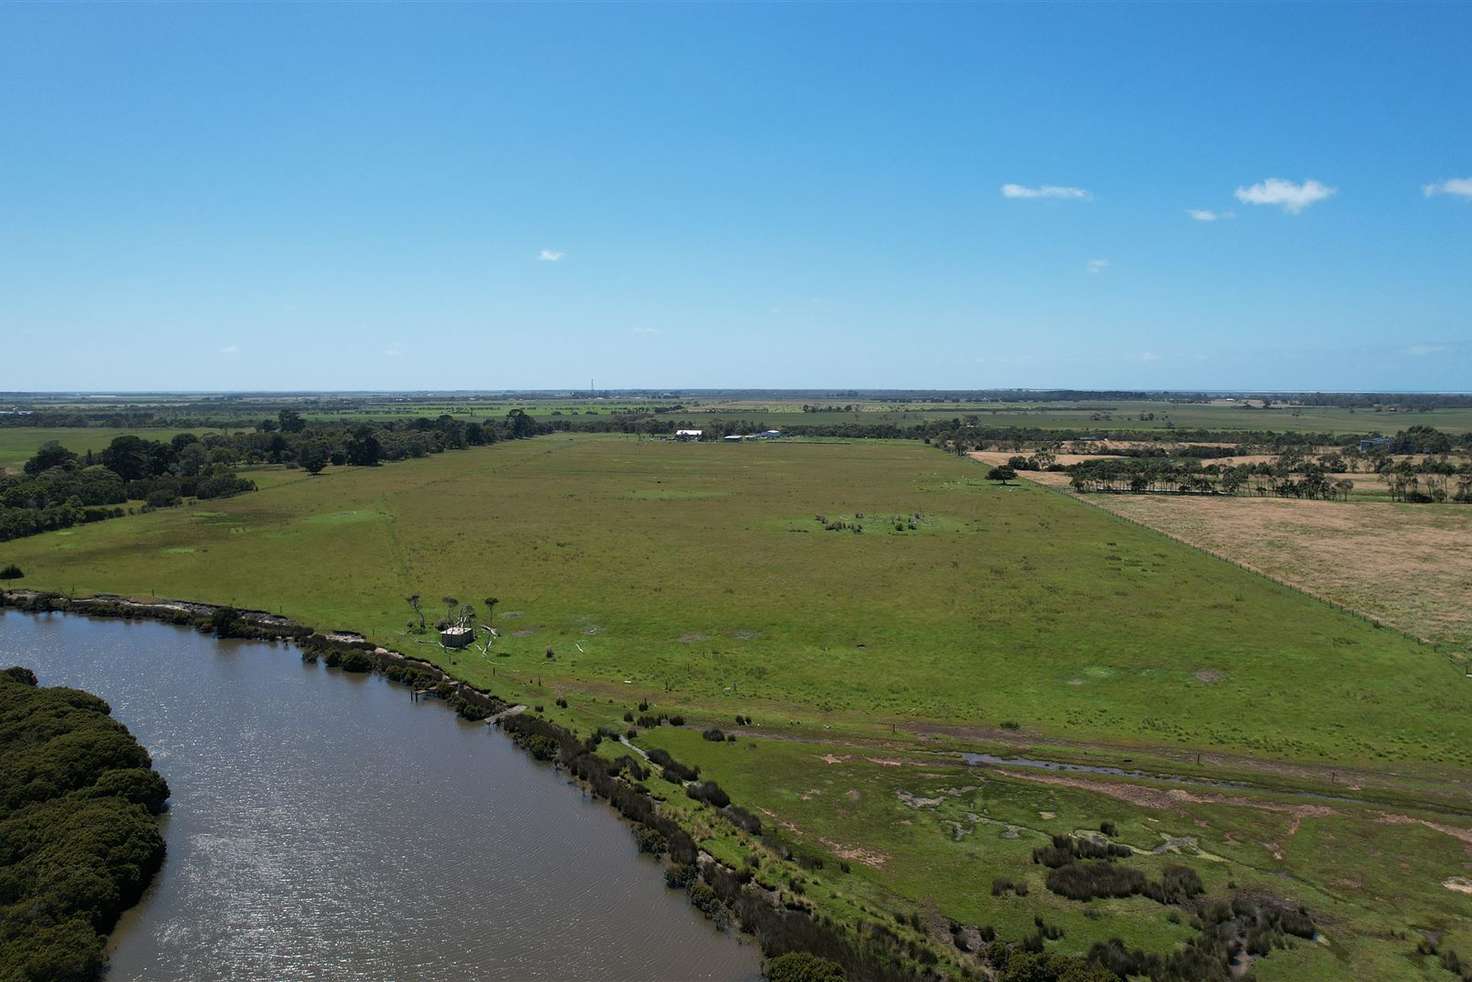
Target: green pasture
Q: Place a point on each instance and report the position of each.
(698, 577)
(700, 571)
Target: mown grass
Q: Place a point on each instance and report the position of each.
(698, 577)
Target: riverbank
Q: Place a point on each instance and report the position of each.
(720, 891)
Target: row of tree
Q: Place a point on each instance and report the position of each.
(1176, 476)
(60, 488)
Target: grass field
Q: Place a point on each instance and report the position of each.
(1407, 565)
(1093, 416)
(699, 577)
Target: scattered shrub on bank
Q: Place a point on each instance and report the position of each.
(561, 702)
(680, 876)
(709, 792)
(714, 735)
(1109, 829)
(704, 899)
(673, 771)
(628, 716)
(743, 819)
(650, 840)
(1009, 724)
(677, 720)
(800, 966)
(11, 572)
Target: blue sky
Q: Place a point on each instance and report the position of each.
(358, 196)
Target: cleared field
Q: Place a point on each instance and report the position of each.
(1409, 566)
(700, 578)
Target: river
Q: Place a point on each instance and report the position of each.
(323, 826)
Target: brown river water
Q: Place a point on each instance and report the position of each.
(323, 826)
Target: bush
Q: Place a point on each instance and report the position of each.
(11, 572)
(1088, 880)
(650, 840)
(709, 792)
(714, 735)
(800, 966)
(1177, 885)
(705, 899)
(680, 876)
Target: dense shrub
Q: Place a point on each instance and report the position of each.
(650, 840)
(11, 572)
(78, 838)
(1090, 879)
(1177, 885)
(709, 792)
(743, 819)
(800, 966)
(714, 735)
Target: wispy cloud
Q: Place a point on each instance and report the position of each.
(646, 330)
(551, 255)
(1149, 356)
(1291, 197)
(1043, 191)
(1422, 350)
(1207, 215)
(1457, 187)
(230, 349)
(1098, 265)
(394, 350)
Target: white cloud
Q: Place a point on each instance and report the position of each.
(1149, 356)
(550, 255)
(1422, 350)
(1043, 191)
(1457, 187)
(1206, 215)
(1292, 198)
(1098, 265)
(393, 350)
(646, 330)
(230, 349)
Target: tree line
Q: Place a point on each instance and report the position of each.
(60, 488)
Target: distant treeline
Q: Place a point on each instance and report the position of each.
(78, 837)
(60, 488)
